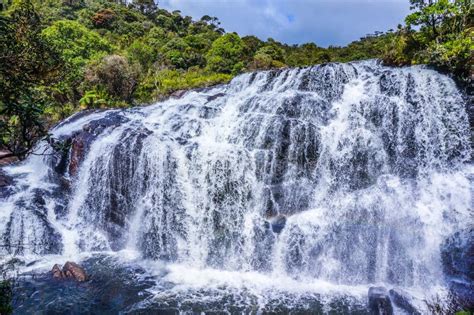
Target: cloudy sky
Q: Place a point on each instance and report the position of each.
(325, 22)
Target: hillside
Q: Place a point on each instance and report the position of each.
(59, 57)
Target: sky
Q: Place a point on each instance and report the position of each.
(324, 22)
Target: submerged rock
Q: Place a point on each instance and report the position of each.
(379, 301)
(404, 301)
(278, 223)
(71, 271)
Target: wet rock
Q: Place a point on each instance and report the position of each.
(278, 223)
(215, 96)
(379, 301)
(178, 93)
(82, 140)
(73, 270)
(70, 271)
(57, 273)
(404, 301)
(462, 294)
(79, 145)
(6, 183)
(6, 158)
(457, 253)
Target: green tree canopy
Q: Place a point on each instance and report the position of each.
(225, 53)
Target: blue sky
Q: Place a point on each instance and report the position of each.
(324, 22)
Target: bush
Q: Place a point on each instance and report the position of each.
(103, 18)
(165, 81)
(115, 75)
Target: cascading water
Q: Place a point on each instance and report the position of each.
(326, 179)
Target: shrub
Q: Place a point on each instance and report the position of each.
(115, 75)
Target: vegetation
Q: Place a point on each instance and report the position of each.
(60, 56)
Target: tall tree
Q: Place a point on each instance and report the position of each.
(26, 64)
(147, 7)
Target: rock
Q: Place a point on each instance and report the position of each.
(215, 96)
(462, 294)
(71, 271)
(178, 93)
(278, 223)
(6, 183)
(457, 253)
(82, 140)
(379, 301)
(78, 149)
(57, 272)
(404, 301)
(6, 158)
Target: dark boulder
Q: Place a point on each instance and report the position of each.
(6, 183)
(82, 140)
(404, 301)
(379, 301)
(457, 253)
(70, 271)
(462, 294)
(278, 223)
(215, 96)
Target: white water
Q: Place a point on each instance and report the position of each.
(369, 165)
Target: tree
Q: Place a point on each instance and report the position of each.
(147, 7)
(76, 43)
(224, 55)
(27, 64)
(115, 75)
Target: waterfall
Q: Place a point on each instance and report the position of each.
(349, 174)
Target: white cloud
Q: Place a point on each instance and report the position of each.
(324, 22)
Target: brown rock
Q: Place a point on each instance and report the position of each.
(77, 154)
(70, 270)
(57, 272)
(178, 93)
(74, 271)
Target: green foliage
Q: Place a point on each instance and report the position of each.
(444, 38)
(28, 65)
(167, 81)
(76, 43)
(115, 75)
(225, 53)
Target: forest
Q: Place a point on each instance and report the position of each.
(62, 56)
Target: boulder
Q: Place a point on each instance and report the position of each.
(79, 145)
(379, 301)
(82, 140)
(57, 272)
(178, 93)
(6, 183)
(404, 301)
(457, 253)
(278, 223)
(70, 271)
(215, 96)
